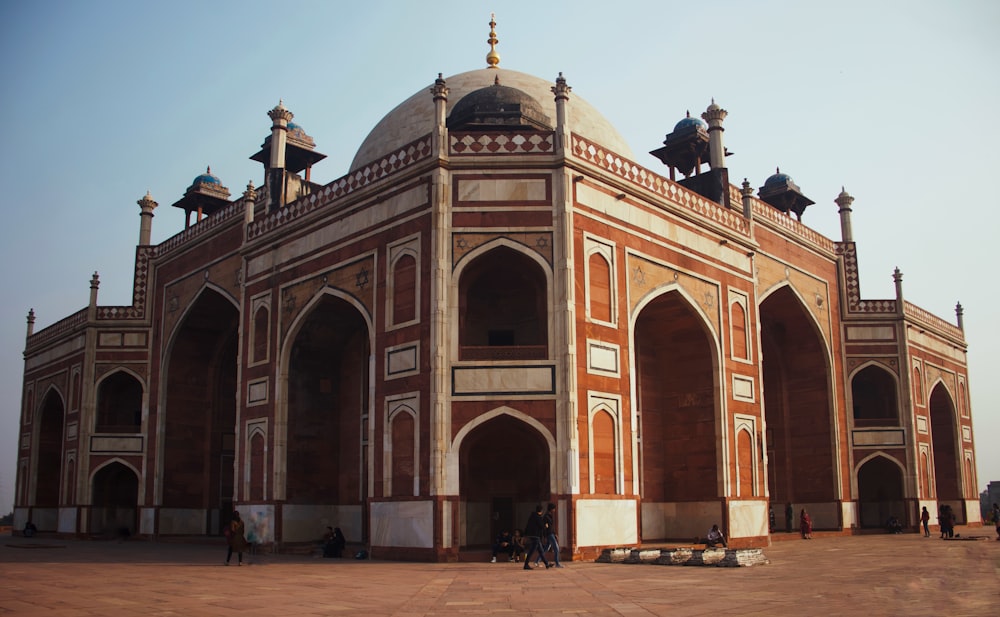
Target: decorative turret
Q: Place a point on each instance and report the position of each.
(897, 278)
(31, 322)
(844, 201)
(287, 151)
(206, 196)
(561, 91)
(249, 201)
(959, 314)
(747, 193)
(781, 192)
(686, 148)
(146, 205)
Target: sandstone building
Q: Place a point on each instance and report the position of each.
(498, 305)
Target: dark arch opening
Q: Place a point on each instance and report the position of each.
(946, 456)
(677, 398)
(119, 404)
(504, 473)
(503, 308)
(873, 392)
(115, 500)
(880, 493)
(801, 460)
(50, 442)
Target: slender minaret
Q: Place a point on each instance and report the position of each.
(897, 277)
(249, 201)
(959, 313)
(493, 58)
(714, 116)
(280, 117)
(439, 138)
(561, 92)
(31, 322)
(747, 193)
(95, 282)
(844, 201)
(146, 205)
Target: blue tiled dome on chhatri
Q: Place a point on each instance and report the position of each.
(778, 179)
(688, 121)
(207, 178)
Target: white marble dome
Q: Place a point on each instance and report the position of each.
(414, 117)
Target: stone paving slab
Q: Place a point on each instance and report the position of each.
(859, 575)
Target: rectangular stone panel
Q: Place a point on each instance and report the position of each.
(496, 380)
(501, 189)
(743, 389)
(108, 444)
(257, 392)
(602, 357)
(879, 437)
(401, 360)
(871, 333)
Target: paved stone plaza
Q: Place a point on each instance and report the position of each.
(860, 575)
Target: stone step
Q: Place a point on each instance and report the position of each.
(719, 557)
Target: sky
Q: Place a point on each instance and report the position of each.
(892, 100)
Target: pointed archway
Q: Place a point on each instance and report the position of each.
(114, 502)
(503, 474)
(48, 461)
(676, 389)
(880, 492)
(947, 465)
(802, 463)
(199, 423)
(327, 389)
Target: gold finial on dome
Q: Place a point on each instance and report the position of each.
(493, 58)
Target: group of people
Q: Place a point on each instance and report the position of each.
(538, 539)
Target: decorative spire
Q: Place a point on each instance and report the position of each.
(439, 90)
(493, 58)
(561, 90)
(250, 194)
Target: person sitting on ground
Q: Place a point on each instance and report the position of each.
(518, 545)
(29, 530)
(715, 537)
(504, 543)
(333, 543)
(893, 525)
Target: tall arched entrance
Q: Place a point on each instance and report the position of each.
(327, 455)
(115, 500)
(880, 493)
(801, 458)
(503, 475)
(48, 463)
(676, 390)
(200, 418)
(946, 457)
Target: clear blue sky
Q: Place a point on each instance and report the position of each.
(104, 100)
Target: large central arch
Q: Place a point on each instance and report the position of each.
(676, 360)
(323, 464)
(199, 417)
(802, 461)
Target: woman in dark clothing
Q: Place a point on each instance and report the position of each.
(234, 533)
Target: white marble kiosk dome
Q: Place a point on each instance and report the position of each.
(414, 117)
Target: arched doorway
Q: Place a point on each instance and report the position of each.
(880, 493)
(947, 482)
(503, 474)
(327, 457)
(200, 418)
(801, 458)
(115, 500)
(48, 462)
(676, 387)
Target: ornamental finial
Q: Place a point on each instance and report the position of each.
(493, 58)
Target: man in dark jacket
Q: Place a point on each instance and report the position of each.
(533, 531)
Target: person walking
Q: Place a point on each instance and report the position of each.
(234, 533)
(533, 531)
(925, 518)
(549, 539)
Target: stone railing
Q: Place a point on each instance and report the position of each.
(58, 329)
(202, 227)
(382, 168)
(785, 222)
(926, 318)
(501, 143)
(640, 176)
